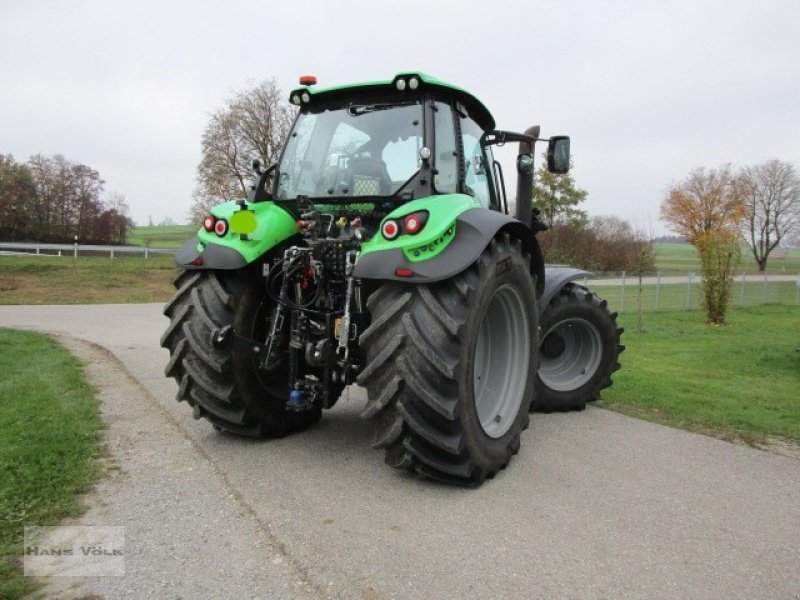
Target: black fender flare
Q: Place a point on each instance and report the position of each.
(556, 278)
(213, 256)
(475, 229)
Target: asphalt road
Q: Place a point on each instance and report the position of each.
(596, 505)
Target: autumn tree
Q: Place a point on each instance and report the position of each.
(50, 176)
(17, 195)
(772, 203)
(53, 199)
(252, 124)
(605, 243)
(558, 197)
(707, 208)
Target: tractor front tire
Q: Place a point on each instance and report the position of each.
(449, 369)
(578, 353)
(228, 389)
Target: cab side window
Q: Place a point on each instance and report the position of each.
(446, 178)
(476, 169)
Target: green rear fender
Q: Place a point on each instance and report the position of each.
(207, 250)
(456, 232)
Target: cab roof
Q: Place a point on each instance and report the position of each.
(474, 106)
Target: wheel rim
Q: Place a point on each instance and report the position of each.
(570, 354)
(502, 359)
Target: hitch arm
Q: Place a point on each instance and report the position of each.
(227, 339)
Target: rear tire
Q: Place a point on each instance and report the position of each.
(449, 369)
(578, 351)
(228, 389)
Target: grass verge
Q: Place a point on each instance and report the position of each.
(739, 381)
(51, 432)
(85, 280)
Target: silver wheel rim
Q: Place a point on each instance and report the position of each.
(579, 350)
(502, 359)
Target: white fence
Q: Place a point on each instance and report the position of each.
(657, 292)
(76, 249)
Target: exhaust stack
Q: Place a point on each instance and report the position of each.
(525, 177)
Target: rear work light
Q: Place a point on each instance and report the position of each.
(208, 223)
(221, 227)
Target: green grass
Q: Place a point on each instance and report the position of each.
(85, 280)
(51, 434)
(161, 236)
(740, 381)
(680, 259)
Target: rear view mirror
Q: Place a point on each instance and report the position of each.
(558, 154)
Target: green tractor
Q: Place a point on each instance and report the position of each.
(380, 251)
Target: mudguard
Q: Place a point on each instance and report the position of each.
(207, 250)
(194, 255)
(556, 278)
(457, 242)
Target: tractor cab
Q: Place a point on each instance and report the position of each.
(386, 143)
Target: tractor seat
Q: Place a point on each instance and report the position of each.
(369, 177)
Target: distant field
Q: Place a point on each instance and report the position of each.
(679, 259)
(161, 236)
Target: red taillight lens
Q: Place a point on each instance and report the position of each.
(401, 272)
(390, 230)
(209, 222)
(413, 223)
(221, 227)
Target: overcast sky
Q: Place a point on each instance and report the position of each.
(646, 90)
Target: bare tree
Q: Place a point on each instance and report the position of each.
(116, 201)
(773, 206)
(707, 208)
(116, 217)
(252, 124)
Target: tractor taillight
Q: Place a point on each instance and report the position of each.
(401, 272)
(390, 230)
(208, 223)
(221, 227)
(413, 223)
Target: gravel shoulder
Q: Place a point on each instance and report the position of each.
(184, 523)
